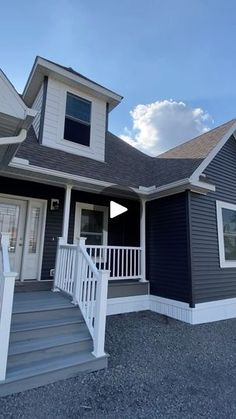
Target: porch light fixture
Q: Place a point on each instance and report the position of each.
(54, 206)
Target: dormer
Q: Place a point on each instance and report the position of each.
(72, 110)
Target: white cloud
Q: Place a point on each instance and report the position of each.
(162, 125)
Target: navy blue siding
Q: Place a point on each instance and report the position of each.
(54, 218)
(210, 282)
(168, 248)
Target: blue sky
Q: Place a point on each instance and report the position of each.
(148, 51)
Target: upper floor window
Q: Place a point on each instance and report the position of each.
(77, 120)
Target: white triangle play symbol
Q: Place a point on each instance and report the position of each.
(116, 209)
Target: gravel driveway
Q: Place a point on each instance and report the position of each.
(158, 368)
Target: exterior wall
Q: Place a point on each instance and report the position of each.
(210, 282)
(54, 119)
(54, 219)
(37, 105)
(167, 248)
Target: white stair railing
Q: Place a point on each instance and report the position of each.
(77, 275)
(7, 283)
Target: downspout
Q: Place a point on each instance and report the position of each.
(14, 140)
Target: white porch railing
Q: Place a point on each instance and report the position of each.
(77, 275)
(122, 262)
(7, 283)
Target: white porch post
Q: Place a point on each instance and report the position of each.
(100, 314)
(6, 302)
(143, 238)
(66, 215)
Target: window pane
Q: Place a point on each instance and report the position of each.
(77, 132)
(91, 221)
(229, 228)
(33, 230)
(230, 247)
(78, 108)
(9, 219)
(229, 220)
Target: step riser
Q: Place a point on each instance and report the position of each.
(15, 361)
(61, 313)
(51, 377)
(49, 332)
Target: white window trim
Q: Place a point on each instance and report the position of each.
(219, 206)
(77, 226)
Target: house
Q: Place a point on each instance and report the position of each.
(172, 250)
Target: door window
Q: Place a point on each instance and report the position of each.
(9, 221)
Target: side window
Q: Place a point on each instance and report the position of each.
(226, 220)
(77, 120)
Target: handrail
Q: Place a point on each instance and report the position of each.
(7, 283)
(77, 275)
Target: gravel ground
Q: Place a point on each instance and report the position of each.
(158, 368)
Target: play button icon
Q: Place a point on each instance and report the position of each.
(116, 209)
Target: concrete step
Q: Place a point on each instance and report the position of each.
(48, 371)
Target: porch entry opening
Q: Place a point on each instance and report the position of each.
(24, 221)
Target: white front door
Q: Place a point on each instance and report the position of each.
(25, 221)
(33, 240)
(12, 221)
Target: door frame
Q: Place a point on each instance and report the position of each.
(29, 201)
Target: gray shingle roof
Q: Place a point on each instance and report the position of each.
(199, 147)
(124, 165)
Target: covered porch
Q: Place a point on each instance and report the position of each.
(37, 214)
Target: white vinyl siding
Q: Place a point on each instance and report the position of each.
(37, 105)
(54, 120)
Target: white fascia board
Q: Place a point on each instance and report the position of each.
(46, 68)
(195, 176)
(171, 188)
(28, 113)
(58, 174)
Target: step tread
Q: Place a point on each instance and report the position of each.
(40, 301)
(43, 324)
(52, 364)
(37, 344)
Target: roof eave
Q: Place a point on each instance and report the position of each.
(42, 68)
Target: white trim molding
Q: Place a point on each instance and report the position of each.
(127, 304)
(220, 205)
(171, 308)
(200, 169)
(202, 313)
